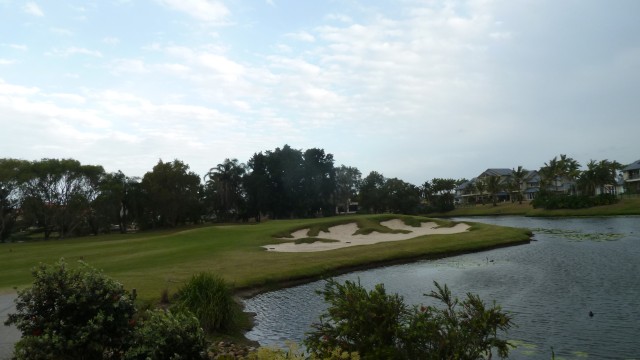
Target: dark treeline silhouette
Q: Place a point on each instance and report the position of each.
(62, 197)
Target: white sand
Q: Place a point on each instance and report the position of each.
(345, 237)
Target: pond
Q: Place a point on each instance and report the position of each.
(574, 266)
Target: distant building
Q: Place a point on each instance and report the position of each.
(631, 177)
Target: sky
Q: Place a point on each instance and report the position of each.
(411, 89)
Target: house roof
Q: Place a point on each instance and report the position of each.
(497, 171)
(633, 166)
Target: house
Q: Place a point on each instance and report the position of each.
(531, 185)
(631, 176)
(505, 176)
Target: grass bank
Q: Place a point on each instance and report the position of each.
(626, 206)
(154, 261)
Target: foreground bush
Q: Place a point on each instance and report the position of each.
(209, 297)
(377, 325)
(294, 353)
(167, 335)
(72, 313)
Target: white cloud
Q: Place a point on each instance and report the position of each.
(32, 8)
(135, 66)
(339, 17)
(205, 10)
(15, 90)
(20, 47)
(301, 36)
(6, 62)
(70, 51)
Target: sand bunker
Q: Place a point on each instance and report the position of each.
(344, 236)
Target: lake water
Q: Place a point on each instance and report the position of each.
(574, 266)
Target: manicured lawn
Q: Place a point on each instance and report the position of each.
(626, 206)
(153, 261)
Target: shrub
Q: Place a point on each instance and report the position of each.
(167, 335)
(561, 201)
(380, 326)
(70, 313)
(294, 353)
(210, 299)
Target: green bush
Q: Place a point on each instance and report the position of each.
(561, 201)
(72, 313)
(378, 325)
(167, 335)
(210, 299)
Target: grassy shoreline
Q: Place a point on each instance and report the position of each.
(154, 261)
(626, 206)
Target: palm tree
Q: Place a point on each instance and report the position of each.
(556, 171)
(225, 179)
(518, 179)
(569, 169)
(493, 188)
(481, 187)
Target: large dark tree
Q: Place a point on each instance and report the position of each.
(258, 186)
(10, 170)
(442, 190)
(348, 181)
(318, 183)
(58, 193)
(172, 195)
(401, 197)
(285, 169)
(224, 188)
(371, 197)
(117, 203)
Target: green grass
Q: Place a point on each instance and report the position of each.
(154, 261)
(626, 206)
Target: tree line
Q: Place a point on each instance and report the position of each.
(62, 197)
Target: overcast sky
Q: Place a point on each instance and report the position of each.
(412, 89)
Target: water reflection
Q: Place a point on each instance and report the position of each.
(575, 266)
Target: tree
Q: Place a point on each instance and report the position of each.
(118, 202)
(481, 186)
(559, 170)
(72, 313)
(598, 175)
(318, 182)
(57, 194)
(427, 192)
(401, 197)
(10, 170)
(371, 197)
(257, 185)
(348, 181)
(378, 325)
(285, 170)
(518, 176)
(225, 188)
(443, 193)
(494, 186)
(172, 194)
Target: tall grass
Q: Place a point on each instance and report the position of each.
(210, 299)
